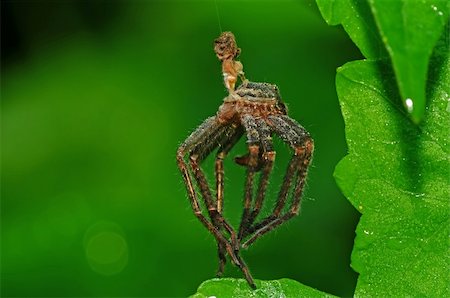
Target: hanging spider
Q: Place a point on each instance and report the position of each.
(256, 110)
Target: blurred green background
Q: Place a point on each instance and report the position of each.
(96, 98)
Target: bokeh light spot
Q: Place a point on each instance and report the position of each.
(106, 249)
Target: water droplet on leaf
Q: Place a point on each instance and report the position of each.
(409, 105)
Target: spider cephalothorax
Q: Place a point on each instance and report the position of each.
(256, 111)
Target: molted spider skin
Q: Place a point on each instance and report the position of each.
(256, 110)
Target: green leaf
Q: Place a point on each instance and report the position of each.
(230, 287)
(410, 30)
(397, 176)
(407, 29)
(357, 19)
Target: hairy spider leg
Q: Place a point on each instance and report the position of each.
(287, 181)
(207, 137)
(251, 162)
(298, 138)
(224, 139)
(267, 161)
(223, 151)
(219, 221)
(199, 153)
(209, 127)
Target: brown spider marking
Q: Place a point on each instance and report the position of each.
(256, 110)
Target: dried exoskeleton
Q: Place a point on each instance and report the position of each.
(256, 111)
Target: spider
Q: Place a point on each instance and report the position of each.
(256, 111)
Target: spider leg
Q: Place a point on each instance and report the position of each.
(267, 160)
(224, 149)
(227, 136)
(209, 127)
(282, 195)
(196, 157)
(298, 138)
(204, 140)
(251, 162)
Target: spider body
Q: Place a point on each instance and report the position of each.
(256, 111)
(257, 99)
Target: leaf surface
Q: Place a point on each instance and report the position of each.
(397, 176)
(404, 30)
(356, 18)
(410, 30)
(233, 288)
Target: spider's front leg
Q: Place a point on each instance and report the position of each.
(298, 138)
